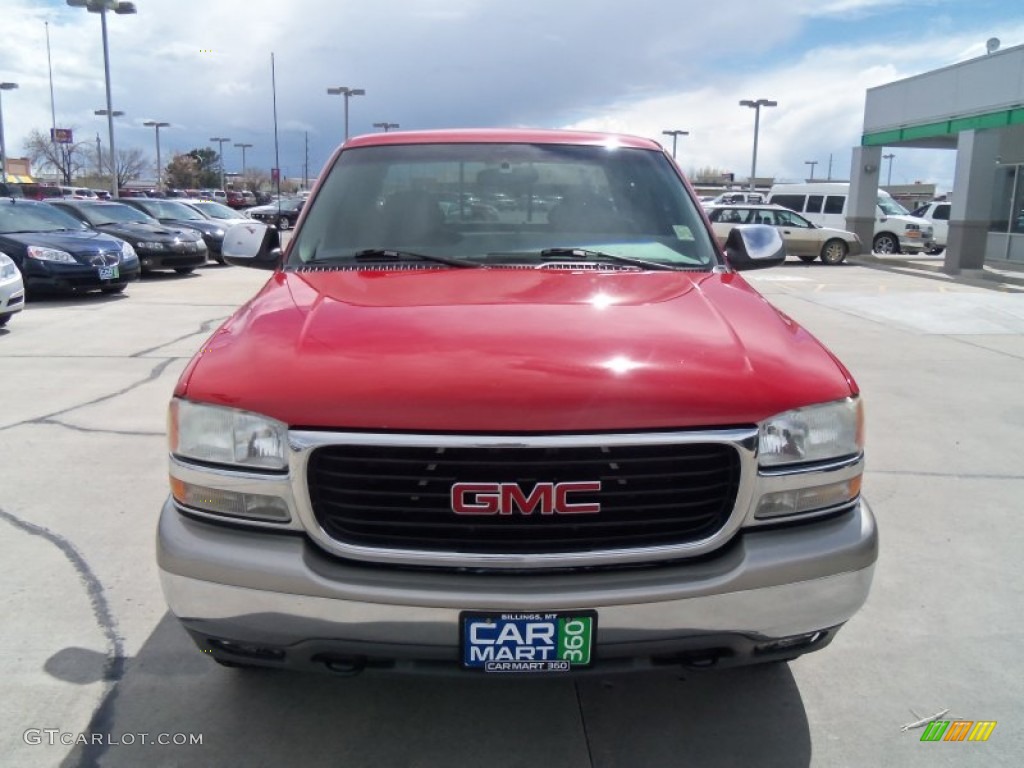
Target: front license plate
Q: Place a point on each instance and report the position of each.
(527, 642)
(109, 273)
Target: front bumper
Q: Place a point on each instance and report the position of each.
(277, 599)
(70, 278)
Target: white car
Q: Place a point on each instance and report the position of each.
(937, 214)
(12, 289)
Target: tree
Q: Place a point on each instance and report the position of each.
(130, 164)
(208, 164)
(66, 160)
(182, 173)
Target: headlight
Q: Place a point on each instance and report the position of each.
(219, 435)
(50, 254)
(128, 252)
(815, 433)
(8, 268)
(151, 246)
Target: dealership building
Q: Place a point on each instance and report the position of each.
(976, 109)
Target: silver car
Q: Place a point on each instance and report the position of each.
(803, 238)
(12, 289)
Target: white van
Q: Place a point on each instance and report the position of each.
(824, 203)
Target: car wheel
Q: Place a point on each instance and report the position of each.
(807, 258)
(4, 319)
(185, 270)
(834, 252)
(283, 223)
(886, 243)
(937, 251)
(113, 288)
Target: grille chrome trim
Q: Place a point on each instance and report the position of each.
(303, 443)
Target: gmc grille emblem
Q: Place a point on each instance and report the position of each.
(510, 499)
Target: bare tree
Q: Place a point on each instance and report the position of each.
(67, 160)
(130, 165)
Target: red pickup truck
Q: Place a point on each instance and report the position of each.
(567, 436)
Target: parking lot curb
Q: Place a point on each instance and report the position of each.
(996, 275)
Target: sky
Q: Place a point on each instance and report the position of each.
(642, 67)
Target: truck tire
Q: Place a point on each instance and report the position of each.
(886, 243)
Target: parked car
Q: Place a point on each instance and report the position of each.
(825, 203)
(157, 245)
(936, 213)
(282, 214)
(727, 198)
(30, 190)
(567, 439)
(57, 252)
(217, 211)
(12, 289)
(177, 214)
(804, 239)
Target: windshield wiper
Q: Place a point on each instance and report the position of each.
(586, 253)
(385, 254)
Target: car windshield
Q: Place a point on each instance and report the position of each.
(113, 213)
(40, 217)
(217, 210)
(890, 207)
(493, 203)
(171, 209)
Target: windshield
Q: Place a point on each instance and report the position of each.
(170, 209)
(217, 210)
(504, 203)
(38, 217)
(890, 207)
(113, 213)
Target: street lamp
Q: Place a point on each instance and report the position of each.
(244, 147)
(99, 158)
(343, 90)
(756, 106)
(159, 170)
(675, 135)
(888, 179)
(220, 155)
(3, 147)
(101, 7)
(811, 163)
(386, 126)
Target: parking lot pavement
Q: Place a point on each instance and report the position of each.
(90, 654)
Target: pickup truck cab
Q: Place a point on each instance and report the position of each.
(567, 437)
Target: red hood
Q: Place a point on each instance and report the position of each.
(504, 351)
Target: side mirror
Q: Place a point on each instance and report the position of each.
(252, 244)
(754, 246)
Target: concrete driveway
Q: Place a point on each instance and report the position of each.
(95, 672)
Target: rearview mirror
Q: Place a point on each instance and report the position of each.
(252, 244)
(754, 246)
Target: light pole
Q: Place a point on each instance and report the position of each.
(756, 105)
(101, 7)
(675, 135)
(3, 147)
(220, 155)
(386, 126)
(113, 160)
(888, 178)
(159, 170)
(811, 163)
(244, 147)
(344, 90)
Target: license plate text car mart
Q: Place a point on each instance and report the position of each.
(527, 642)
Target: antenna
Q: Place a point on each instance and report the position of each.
(992, 45)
